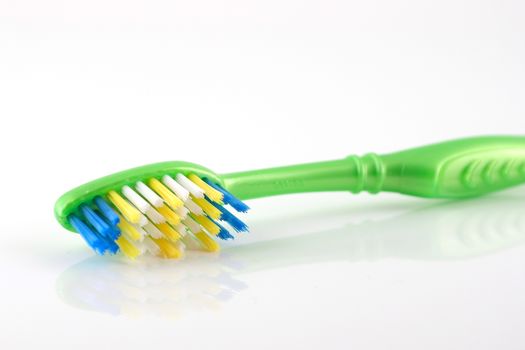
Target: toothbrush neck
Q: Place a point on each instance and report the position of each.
(353, 173)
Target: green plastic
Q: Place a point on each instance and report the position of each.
(69, 202)
(453, 169)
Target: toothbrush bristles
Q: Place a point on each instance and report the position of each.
(229, 198)
(161, 217)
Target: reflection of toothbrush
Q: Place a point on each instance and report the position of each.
(163, 207)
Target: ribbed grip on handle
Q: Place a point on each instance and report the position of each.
(457, 169)
(369, 173)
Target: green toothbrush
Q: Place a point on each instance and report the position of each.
(165, 207)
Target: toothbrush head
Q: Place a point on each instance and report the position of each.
(161, 209)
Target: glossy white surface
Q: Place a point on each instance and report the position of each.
(89, 88)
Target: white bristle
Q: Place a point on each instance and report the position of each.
(143, 220)
(153, 231)
(182, 212)
(192, 225)
(151, 246)
(155, 216)
(150, 196)
(173, 185)
(140, 246)
(181, 246)
(194, 208)
(136, 199)
(180, 228)
(191, 242)
(195, 190)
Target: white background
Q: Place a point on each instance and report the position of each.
(88, 88)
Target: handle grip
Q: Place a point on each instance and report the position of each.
(451, 169)
(457, 169)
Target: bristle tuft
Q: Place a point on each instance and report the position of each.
(136, 199)
(154, 216)
(169, 214)
(89, 236)
(208, 224)
(224, 234)
(152, 230)
(209, 191)
(99, 244)
(169, 197)
(191, 224)
(169, 232)
(109, 214)
(167, 248)
(100, 226)
(127, 248)
(135, 232)
(177, 188)
(229, 198)
(149, 194)
(131, 213)
(150, 246)
(207, 242)
(182, 212)
(231, 219)
(195, 190)
(208, 208)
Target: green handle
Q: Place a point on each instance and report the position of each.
(453, 169)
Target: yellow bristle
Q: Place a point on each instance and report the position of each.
(207, 242)
(168, 196)
(169, 231)
(208, 208)
(169, 214)
(131, 213)
(168, 249)
(132, 232)
(209, 225)
(127, 248)
(211, 192)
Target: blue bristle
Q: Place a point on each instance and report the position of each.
(112, 247)
(111, 217)
(224, 234)
(229, 198)
(114, 233)
(96, 221)
(92, 239)
(231, 219)
(108, 212)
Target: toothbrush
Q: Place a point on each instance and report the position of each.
(164, 208)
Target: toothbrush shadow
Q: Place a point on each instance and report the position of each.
(151, 286)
